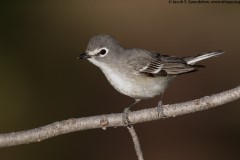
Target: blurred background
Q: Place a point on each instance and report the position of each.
(42, 82)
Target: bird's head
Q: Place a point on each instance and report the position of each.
(102, 49)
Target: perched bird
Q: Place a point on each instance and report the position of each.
(138, 73)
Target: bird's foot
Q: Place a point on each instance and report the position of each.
(160, 110)
(126, 113)
(125, 118)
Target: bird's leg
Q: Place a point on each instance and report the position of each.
(160, 108)
(126, 112)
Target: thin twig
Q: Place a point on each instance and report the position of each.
(114, 120)
(136, 142)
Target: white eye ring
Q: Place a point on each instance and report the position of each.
(103, 52)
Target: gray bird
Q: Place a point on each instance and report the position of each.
(138, 73)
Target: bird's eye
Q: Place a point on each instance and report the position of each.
(103, 52)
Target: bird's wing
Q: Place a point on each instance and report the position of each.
(161, 65)
(176, 65)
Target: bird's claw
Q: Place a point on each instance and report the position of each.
(160, 110)
(125, 117)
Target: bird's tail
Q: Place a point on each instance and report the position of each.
(194, 59)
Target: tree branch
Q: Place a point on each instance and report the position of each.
(135, 142)
(115, 120)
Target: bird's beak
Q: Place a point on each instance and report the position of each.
(84, 56)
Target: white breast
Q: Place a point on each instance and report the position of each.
(136, 86)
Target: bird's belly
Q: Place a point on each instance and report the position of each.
(138, 86)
